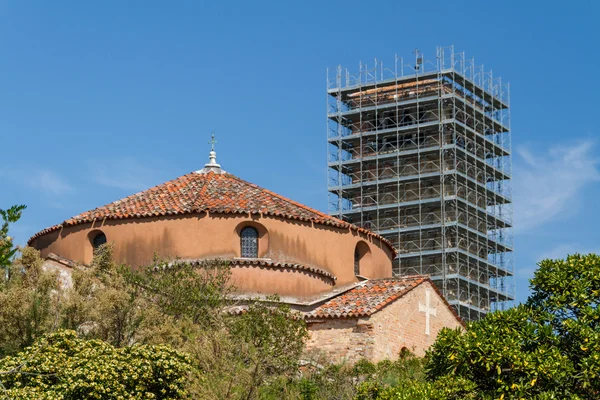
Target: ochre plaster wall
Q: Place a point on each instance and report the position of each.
(259, 280)
(197, 236)
(383, 335)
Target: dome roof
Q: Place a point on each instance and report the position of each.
(202, 191)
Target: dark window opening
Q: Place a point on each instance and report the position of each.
(356, 262)
(249, 242)
(98, 240)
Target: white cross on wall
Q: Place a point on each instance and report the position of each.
(428, 310)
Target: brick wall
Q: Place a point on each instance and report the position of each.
(383, 334)
(341, 340)
(401, 324)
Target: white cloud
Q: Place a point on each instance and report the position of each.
(563, 250)
(124, 173)
(40, 180)
(50, 182)
(547, 185)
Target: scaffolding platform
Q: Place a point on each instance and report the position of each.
(420, 153)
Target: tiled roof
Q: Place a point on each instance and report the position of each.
(367, 299)
(256, 262)
(262, 262)
(213, 192)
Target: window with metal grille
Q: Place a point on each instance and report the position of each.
(356, 262)
(249, 242)
(98, 240)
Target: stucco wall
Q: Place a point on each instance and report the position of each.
(259, 281)
(383, 334)
(217, 235)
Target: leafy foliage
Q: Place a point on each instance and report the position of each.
(512, 353)
(185, 291)
(30, 302)
(272, 341)
(62, 366)
(402, 378)
(568, 291)
(548, 348)
(7, 248)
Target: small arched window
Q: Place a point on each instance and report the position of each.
(249, 242)
(98, 240)
(362, 260)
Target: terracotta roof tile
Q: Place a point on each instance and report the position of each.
(282, 265)
(212, 192)
(368, 298)
(263, 262)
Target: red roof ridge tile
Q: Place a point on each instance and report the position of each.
(202, 190)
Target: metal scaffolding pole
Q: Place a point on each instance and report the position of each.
(421, 155)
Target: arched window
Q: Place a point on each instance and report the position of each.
(98, 240)
(362, 260)
(249, 242)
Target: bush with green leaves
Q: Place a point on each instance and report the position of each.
(364, 380)
(30, 302)
(7, 247)
(568, 293)
(548, 348)
(272, 339)
(62, 366)
(196, 292)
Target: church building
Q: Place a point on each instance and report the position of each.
(337, 274)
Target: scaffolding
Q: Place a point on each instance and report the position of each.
(420, 153)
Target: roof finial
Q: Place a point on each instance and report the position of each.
(212, 164)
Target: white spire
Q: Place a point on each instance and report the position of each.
(212, 164)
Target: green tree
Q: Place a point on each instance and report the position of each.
(101, 304)
(248, 353)
(30, 302)
(62, 366)
(188, 307)
(272, 340)
(511, 353)
(7, 247)
(548, 348)
(196, 292)
(568, 292)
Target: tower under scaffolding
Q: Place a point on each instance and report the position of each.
(419, 152)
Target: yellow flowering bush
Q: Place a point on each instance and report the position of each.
(62, 366)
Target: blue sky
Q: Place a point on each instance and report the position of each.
(99, 100)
